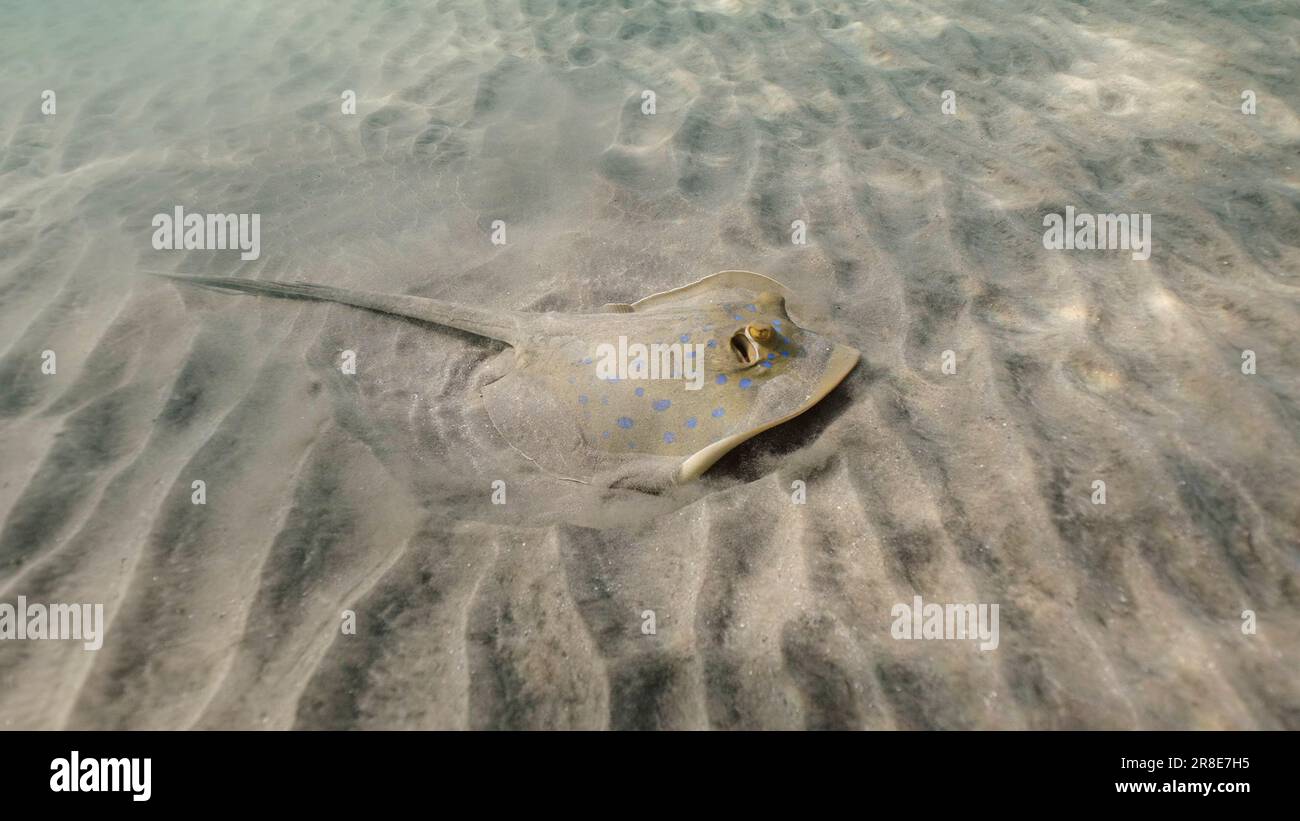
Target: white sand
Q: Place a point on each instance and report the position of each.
(371, 493)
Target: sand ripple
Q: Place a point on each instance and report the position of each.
(371, 493)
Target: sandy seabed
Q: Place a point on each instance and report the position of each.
(371, 493)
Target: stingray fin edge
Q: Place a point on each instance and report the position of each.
(842, 362)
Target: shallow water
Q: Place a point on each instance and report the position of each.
(372, 493)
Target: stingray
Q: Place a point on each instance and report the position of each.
(639, 395)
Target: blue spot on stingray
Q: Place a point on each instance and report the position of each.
(691, 354)
(713, 343)
(625, 422)
(785, 353)
(751, 308)
(738, 318)
(582, 400)
(604, 434)
(771, 356)
(718, 413)
(722, 379)
(745, 383)
(586, 361)
(661, 404)
(669, 437)
(640, 391)
(685, 337)
(691, 423)
(776, 323)
(765, 364)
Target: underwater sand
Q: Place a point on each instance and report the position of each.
(371, 492)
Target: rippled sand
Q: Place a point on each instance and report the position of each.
(371, 493)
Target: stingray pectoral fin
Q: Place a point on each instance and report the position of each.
(525, 411)
(502, 325)
(841, 361)
(712, 284)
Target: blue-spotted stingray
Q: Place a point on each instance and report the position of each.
(564, 407)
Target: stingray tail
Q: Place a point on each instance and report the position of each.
(502, 325)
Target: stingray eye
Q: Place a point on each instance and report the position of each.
(744, 348)
(762, 333)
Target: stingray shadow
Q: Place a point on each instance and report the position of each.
(746, 462)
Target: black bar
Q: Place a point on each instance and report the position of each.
(234, 770)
